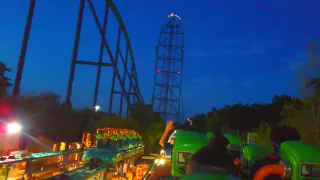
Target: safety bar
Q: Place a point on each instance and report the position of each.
(154, 165)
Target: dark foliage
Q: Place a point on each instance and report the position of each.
(243, 117)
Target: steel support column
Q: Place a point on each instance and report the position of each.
(24, 47)
(75, 52)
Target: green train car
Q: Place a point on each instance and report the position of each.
(236, 142)
(186, 144)
(299, 160)
(232, 138)
(114, 146)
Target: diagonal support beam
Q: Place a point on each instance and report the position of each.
(114, 72)
(125, 62)
(125, 33)
(107, 47)
(97, 85)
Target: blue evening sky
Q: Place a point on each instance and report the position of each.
(235, 50)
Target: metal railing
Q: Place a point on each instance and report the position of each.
(154, 165)
(35, 164)
(82, 173)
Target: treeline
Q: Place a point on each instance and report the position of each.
(46, 114)
(261, 118)
(244, 117)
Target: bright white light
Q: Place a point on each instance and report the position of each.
(161, 161)
(97, 108)
(13, 128)
(162, 151)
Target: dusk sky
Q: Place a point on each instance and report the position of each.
(235, 50)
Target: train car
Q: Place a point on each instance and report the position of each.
(236, 143)
(115, 145)
(110, 157)
(185, 145)
(299, 160)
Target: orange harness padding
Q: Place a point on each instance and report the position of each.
(272, 169)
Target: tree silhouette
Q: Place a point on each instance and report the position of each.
(5, 82)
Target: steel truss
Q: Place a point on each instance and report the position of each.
(167, 91)
(125, 57)
(131, 95)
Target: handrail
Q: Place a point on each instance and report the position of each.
(36, 156)
(154, 165)
(81, 173)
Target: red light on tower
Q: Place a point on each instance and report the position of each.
(158, 70)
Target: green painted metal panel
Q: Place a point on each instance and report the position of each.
(186, 143)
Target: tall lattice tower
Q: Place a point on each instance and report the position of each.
(167, 92)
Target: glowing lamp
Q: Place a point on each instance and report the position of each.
(97, 108)
(13, 128)
(158, 70)
(161, 161)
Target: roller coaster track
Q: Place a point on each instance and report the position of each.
(6, 163)
(79, 170)
(131, 95)
(122, 61)
(126, 35)
(133, 80)
(37, 156)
